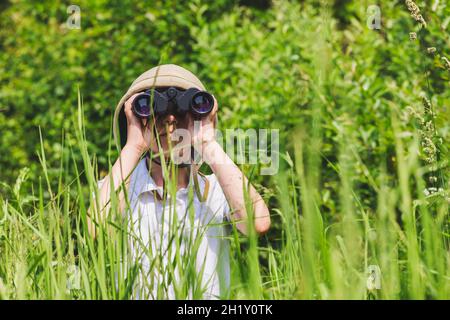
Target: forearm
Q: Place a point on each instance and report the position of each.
(120, 173)
(233, 182)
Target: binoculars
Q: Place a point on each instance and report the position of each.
(172, 100)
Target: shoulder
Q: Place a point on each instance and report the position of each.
(211, 177)
(216, 199)
(214, 186)
(100, 182)
(137, 178)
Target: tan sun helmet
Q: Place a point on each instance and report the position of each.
(165, 75)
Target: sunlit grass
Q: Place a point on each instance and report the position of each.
(394, 246)
(46, 251)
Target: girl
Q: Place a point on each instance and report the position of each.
(164, 223)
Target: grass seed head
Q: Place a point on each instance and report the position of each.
(431, 50)
(446, 63)
(415, 12)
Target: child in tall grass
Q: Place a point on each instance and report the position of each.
(181, 244)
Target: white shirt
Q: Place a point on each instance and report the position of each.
(205, 233)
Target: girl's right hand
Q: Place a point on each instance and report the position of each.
(139, 133)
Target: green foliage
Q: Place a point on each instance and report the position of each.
(364, 135)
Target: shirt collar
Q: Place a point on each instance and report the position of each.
(144, 182)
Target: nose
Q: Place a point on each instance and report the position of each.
(170, 122)
(170, 118)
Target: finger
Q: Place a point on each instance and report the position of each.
(190, 121)
(215, 108)
(212, 115)
(131, 117)
(191, 124)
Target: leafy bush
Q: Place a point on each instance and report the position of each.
(362, 113)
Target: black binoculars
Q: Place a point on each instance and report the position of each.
(172, 100)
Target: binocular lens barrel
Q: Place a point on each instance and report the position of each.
(202, 103)
(141, 105)
(199, 103)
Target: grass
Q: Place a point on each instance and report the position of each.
(400, 250)
(386, 239)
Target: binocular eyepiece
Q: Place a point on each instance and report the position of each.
(154, 103)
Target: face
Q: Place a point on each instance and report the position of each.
(164, 128)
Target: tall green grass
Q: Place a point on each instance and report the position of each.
(385, 239)
(400, 250)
